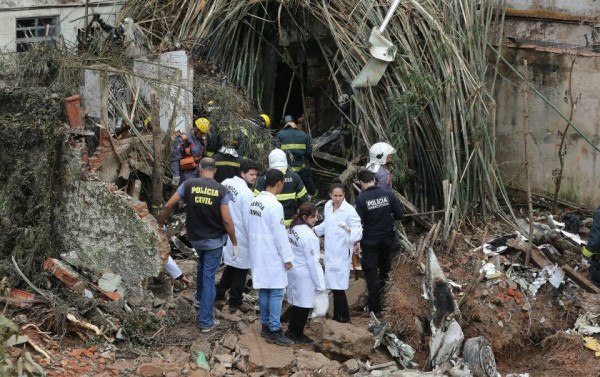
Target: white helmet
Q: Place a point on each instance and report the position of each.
(378, 154)
(277, 159)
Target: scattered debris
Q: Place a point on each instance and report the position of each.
(399, 350)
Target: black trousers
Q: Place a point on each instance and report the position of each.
(297, 320)
(595, 271)
(306, 177)
(341, 312)
(376, 261)
(234, 280)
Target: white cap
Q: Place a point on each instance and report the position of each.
(277, 159)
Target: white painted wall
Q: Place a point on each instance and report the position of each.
(70, 12)
(172, 76)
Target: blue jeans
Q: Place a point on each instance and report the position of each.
(208, 263)
(269, 303)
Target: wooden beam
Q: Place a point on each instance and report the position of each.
(330, 158)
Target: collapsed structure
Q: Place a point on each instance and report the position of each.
(82, 210)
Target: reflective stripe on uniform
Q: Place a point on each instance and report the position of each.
(285, 147)
(209, 154)
(284, 197)
(301, 193)
(298, 168)
(587, 253)
(228, 163)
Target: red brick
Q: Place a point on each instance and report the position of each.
(114, 296)
(22, 298)
(61, 271)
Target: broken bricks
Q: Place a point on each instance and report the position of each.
(72, 279)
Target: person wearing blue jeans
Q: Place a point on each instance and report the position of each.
(271, 256)
(208, 222)
(269, 303)
(208, 264)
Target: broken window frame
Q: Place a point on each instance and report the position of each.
(39, 30)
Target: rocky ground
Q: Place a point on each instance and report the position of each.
(233, 348)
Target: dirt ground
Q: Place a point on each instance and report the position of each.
(527, 335)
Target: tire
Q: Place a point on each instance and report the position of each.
(479, 355)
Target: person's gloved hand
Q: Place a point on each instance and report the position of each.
(344, 226)
(184, 280)
(234, 251)
(175, 181)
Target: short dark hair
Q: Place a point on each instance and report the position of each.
(247, 165)
(366, 176)
(208, 163)
(273, 176)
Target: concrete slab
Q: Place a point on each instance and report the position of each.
(263, 355)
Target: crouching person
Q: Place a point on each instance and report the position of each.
(271, 256)
(306, 278)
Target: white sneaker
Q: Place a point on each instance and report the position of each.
(216, 323)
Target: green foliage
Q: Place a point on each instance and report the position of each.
(25, 365)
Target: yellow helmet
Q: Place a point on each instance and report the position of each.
(266, 119)
(147, 120)
(203, 125)
(210, 103)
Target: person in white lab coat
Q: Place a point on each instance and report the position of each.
(237, 265)
(306, 278)
(271, 256)
(342, 230)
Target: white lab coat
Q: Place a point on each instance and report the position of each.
(241, 197)
(268, 242)
(339, 243)
(306, 277)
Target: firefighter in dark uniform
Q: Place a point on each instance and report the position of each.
(188, 149)
(293, 194)
(592, 249)
(227, 161)
(297, 147)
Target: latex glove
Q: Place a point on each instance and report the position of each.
(344, 226)
(175, 181)
(184, 280)
(234, 251)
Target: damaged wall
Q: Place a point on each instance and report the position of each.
(552, 8)
(51, 205)
(549, 73)
(102, 229)
(70, 14)
(552, 37)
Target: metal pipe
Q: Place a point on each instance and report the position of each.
(389, 15)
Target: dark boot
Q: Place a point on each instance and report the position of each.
(277, 337)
